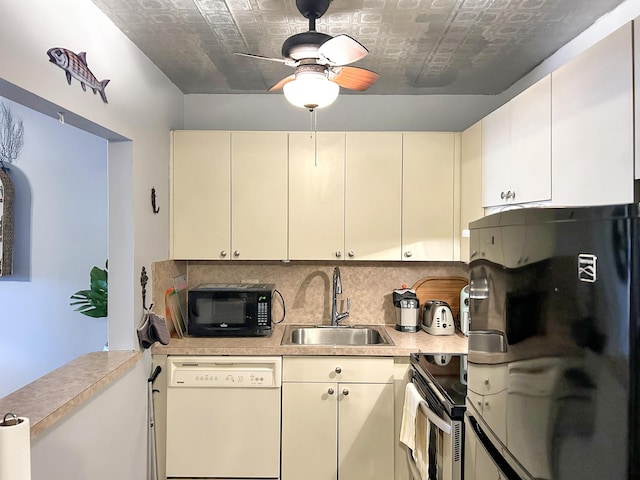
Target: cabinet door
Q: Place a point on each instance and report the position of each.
(309, 431)
(530, 166)
(470, 184)
(365, 432)
(200, 195)
(496, 155)
(592, 123)
(428, 170)
(259, 195)
(316, 196)
(373, 196)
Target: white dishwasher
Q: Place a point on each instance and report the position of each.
(223, 417)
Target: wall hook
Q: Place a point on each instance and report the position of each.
(153, 200)
(143, 282)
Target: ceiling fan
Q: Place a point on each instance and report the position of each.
(320, 62)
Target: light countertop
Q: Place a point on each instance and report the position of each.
(404, 344)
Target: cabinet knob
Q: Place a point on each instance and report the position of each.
(345, 392)
(502, 195)
(486, 404)
(338, 370)
(338, 254)
(236, 253)
(223, 253)
(351, 254)
(330, 391)
(513, 194)
(486, 381)
(408, 254)
(508, 195)
(479, 403)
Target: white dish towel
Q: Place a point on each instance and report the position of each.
(414, 429)
(412, 399)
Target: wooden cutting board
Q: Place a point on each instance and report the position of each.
(446, 289)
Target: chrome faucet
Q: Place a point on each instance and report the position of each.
(337, 317)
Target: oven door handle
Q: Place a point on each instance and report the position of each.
(434, 418)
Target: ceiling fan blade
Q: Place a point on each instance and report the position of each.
(342, 50)
(282, 82)
(353, 78)
(271, 59)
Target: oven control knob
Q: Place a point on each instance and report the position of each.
(338, 370)
(330, 391)
(345, 392)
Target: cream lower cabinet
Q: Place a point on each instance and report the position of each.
(337, 418)
(373, 196)
(487, 392)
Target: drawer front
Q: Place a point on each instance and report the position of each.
(338, 369)
(487, 379)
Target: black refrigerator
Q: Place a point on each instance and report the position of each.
(553, 361)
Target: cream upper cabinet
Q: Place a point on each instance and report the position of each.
(593, 147)
(200, 195)
(373, 202)
(259, 195)
(470, 183)
(316, 196)
(343, 408)
(516, 149)
(429, 162)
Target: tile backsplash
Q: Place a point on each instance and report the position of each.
(306, 286)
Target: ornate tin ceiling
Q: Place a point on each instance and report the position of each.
(417, 46)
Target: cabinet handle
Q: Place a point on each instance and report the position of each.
(330, 391)
(408, 254)
(351, 254)
(338, 254)
(236, 253)
(223, 253)
(345, 392)
(338, 370)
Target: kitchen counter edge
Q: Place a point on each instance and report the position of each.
(404, 344)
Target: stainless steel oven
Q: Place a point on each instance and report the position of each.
(437, 379)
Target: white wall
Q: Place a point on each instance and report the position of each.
(61, 233)
(105, 439)
(143, 107)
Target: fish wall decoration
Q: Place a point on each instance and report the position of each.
(75, 65)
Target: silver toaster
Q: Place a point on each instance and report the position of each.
(437, 318)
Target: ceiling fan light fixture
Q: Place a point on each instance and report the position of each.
(311, 90)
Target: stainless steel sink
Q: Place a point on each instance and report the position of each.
(340, 335)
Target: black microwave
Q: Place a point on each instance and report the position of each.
(230, 309)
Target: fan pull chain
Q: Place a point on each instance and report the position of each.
(313, 133)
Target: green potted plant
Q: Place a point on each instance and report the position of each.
(93, 302)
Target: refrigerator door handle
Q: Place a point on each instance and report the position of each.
(495, 455)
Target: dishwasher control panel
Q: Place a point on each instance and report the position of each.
(226, 372)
